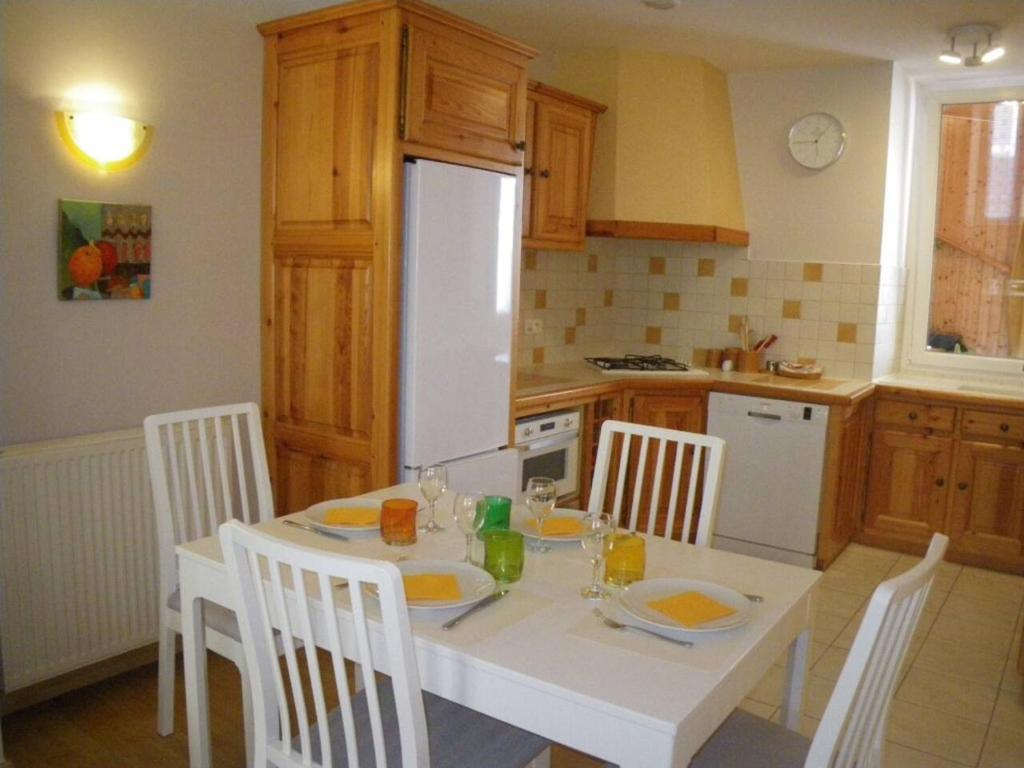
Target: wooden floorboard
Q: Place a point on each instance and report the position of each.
(112, 724)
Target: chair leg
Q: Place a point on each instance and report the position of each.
(165, 682)
(247, 713)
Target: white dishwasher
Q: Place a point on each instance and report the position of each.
(771, 486)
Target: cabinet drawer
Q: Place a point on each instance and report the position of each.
(899, 414)
(1000, 426)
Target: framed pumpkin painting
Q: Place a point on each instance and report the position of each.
(105, 251)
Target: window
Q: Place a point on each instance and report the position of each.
(968, 304)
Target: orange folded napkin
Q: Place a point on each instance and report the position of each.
(691, 609)
(432, 586)
(352, 516)
(559, 526)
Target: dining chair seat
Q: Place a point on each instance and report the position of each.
(218, 618)
(459, 737)
(746, 740)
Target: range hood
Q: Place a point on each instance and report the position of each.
(665, 157)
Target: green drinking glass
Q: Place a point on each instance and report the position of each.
(503, 555)
(498, 515)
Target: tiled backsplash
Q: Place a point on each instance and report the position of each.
(667, 298)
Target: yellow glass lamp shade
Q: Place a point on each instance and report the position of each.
(102, 141)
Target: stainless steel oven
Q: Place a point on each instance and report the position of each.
(549, 446)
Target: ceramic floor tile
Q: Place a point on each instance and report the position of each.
(947, 657)
(898, 756)
(817, 692)
(945, 575)
(844, 604)
(936, 599)
(857, 582)
(956, 696)
(982, 612)
(937, 733)
(990, 585)
(769, 690)
(830, 664)
(1012, 679)
(846, 637)
(827, 627)
(758, 708)
(1009, 712)
(989, 638)
(1004, 748)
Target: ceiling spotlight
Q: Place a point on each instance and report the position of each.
(977, 40)
(661, 5)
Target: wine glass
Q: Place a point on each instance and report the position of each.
(470, 511)
(540, 498)
(433, 481)
(596, 530)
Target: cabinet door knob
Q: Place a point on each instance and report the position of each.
(912, 416)
(940, 482)
(1004, 427)
(520, 145)
(962, 486)
(545, 174)
(527, 171)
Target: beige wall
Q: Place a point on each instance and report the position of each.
(193, 70)
(794, 214)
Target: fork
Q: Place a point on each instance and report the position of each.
(619, 625)
(311, 529)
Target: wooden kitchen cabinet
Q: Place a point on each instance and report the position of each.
(956, 467)
(987, 504)
(907, 488)
(559, 152)
(686, 412)
(463, 93)
(340, 92)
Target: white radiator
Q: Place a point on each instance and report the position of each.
(78, 549)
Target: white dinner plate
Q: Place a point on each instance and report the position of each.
(474, 583)
(635, 599)
(315, 515)
(523, 525)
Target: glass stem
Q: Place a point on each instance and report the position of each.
(595, 584)
(469, 547)
(433, 503)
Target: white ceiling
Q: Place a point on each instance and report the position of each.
(737, 35)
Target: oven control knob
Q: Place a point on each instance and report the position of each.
(568, 421)
(528, 431)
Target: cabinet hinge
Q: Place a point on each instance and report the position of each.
(404, 87)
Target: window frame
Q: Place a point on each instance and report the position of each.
(929, 99)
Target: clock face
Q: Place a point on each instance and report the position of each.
(817, 140)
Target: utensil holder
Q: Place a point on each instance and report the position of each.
(750, 362)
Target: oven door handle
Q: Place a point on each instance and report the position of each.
(553, 442)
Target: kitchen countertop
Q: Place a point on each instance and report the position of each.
(956, 389)
(534, 383)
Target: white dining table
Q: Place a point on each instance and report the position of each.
(541, 659)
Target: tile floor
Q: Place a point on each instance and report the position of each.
(960, 701)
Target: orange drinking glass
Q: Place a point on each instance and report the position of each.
(398, 522)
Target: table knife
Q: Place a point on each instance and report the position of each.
(311, 529)
(485, 602)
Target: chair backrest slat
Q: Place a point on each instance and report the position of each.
(299, 602)
(705, 454)
(852, 731)
(197, 486)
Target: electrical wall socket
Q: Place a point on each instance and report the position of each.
(534, 327)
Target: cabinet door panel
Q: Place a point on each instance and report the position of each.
(685, 413)
(908, 485)
(323, 345)
(327, 117)
(463, 95)
(988, 501)
(561, 172)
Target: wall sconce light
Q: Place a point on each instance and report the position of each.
(103, 141)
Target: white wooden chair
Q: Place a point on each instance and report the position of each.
(852, 731)
(280, 586)
(206, 466)
(696, 461)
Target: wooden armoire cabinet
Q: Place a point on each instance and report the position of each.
(349, 92)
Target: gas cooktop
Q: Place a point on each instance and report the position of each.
(638, 363)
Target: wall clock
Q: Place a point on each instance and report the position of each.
(817, 140)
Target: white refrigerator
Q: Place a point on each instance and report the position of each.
(460, 243)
